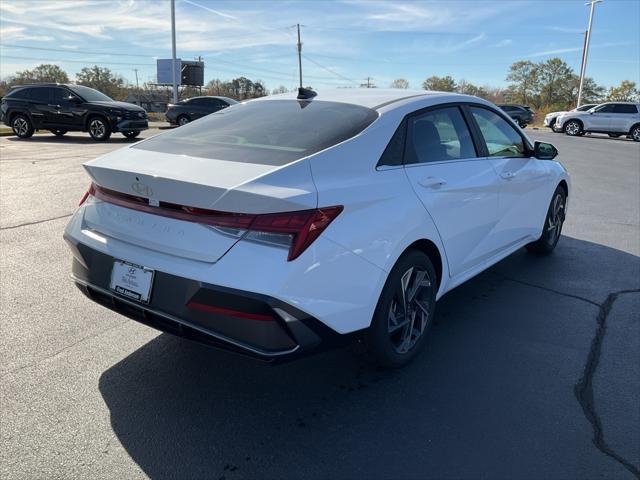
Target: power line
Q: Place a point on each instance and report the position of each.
(74, 61)
(329, 70)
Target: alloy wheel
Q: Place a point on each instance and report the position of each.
(636, 134)
(97, 128)
(20, 126)
(183, 121)
(409, 313)
(556, 217)
(572, 128)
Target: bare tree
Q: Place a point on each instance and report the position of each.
(399, 83)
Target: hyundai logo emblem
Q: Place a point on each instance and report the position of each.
(142, 189)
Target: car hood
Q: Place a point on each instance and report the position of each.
(556, 113)
(119, 106)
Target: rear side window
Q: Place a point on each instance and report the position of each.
(624, 108)
(39, 95)
(18, 93)
(268, 132)
(437, 136)
(501, 138)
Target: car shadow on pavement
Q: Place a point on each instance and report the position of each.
(491, 396)
(72, 139)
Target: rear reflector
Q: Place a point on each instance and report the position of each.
(296, 230)
(229, 312)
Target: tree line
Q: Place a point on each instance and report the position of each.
(546, 85)
(115, 86)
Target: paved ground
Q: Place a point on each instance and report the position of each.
(532, 370)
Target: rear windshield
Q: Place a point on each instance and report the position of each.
(272, 132)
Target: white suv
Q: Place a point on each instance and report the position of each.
(614, 118)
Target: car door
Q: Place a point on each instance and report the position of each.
(524, 180)
(68, 112)
(40, 107)
(600, 119)
(456, 187)
(623, 117)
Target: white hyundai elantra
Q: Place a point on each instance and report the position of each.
(283, 224)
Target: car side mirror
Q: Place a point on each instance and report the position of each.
(544, 151)
(73, 99)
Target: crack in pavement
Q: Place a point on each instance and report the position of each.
(11, 227)
(547, 289)
(584, 388)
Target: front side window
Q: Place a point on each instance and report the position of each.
(437, 136)
(61, 96)
(267, 132)
(501, 138)
(625, 108)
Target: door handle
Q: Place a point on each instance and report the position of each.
(508, 175)
(433, 182)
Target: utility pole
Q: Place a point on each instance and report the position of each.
(137, 87)
(199, 86)
(173, 49)
(299, 55)
(368, 84)
(583, 69)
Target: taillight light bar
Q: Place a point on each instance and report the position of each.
(303, 227)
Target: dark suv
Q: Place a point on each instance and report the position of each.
(61, 108)
(191, 109)
(521, 114)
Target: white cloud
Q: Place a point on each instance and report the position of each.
(559, 51)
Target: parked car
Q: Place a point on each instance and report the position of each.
(191, 109)
(62, 108)
(551, 117)
(286, 223)
(613, 118)
(522, 114)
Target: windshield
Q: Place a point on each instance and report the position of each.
(89, 94)
(271, 132)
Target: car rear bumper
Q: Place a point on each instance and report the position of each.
(269, 329)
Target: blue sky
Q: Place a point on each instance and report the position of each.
(344, 41)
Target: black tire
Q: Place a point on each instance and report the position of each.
(522, 124)
(22, 126)
(552, 124)
(615, 135)
(634, 133)
(58, 132)
(182, 120)
(131, 134)
(573, 128)
(552, 225)
(393, 340)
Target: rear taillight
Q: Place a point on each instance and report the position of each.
(292, 230)
(90, 191)
(297, 230)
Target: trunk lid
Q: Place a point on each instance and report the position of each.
(227, 186)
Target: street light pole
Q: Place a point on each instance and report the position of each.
(173, 48)
(583, 68)
(299, 55)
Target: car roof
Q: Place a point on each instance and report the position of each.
(374, 98)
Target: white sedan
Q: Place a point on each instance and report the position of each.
(284, 224)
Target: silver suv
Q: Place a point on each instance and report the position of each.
(614, 118)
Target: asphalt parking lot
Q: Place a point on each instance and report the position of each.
(532, 369)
